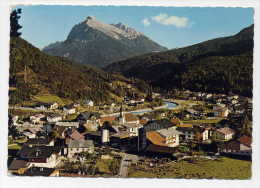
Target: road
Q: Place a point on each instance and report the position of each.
(28, 108)
(126, 161)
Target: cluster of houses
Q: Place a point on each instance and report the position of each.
(50, 139)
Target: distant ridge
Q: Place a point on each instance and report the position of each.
(219, 65)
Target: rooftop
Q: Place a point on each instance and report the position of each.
(75, 135)
(246, 140)
(225, 130)
(80, 143)
(130, 117)
(17, 164)
(39, 171)
(37, 151)
(168, 132)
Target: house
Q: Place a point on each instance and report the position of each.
(151, 126)
(69, 109)
(89, 103)
(54, 118)
(15, 120)
(67, 124)
(131, 118)
(109, 119)
(133, 128)
(54, 106)
(39, 142)
(241, 147)
(220, 111)
(188, 133)
(209, 96)
(85, 116)
(46, 106)
(143, 121)
(201, 133)
(78, 146)
(28, 134)
(168, 137)
(18, 166)
(41, 171)
(37, 118)
(40, 156)
(91, 120)
(223, 134)
(75, 135)
(92, 125)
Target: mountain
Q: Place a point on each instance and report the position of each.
(34, 73)
(95, 43)
(219, 65)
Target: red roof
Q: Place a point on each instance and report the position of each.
(246, 140)
(156, 138)
(130, 117)
(107, 118)
(77, 136)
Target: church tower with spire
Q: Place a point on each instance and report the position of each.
(121, 116)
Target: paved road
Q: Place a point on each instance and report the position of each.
(28, 108)
(126, 161)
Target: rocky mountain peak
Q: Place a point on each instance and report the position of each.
(96, 43)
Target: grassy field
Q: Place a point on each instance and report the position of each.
(225, 168)
(103, 166)
(198, 121)
(14, 146)
(51, 98)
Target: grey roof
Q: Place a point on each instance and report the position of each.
(39, 171)
(168, 132)
(81, 144)
(38, 141)
(17, 164)
(67, 124)
(87, 115)
(37, 151)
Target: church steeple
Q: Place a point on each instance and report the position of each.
(121, 115)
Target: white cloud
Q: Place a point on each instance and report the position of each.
(168, 20)
(146, 22)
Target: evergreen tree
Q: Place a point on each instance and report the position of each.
(14, 25)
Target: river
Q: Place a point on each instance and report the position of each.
(168, 105)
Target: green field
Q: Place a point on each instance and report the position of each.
(225, 168)
(14, 146)
(51, 99)
(199, 121)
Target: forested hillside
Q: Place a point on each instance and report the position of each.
(32, 73)
(219, 65)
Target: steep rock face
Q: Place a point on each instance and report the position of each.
(95, 43)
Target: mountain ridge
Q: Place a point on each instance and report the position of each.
(95, 43)
(175, 64)
(33, 73)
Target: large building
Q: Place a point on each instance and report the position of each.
(151, 126)
(164, 137)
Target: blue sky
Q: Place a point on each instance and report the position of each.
(169, 26)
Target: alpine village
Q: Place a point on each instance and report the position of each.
(110, 102)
